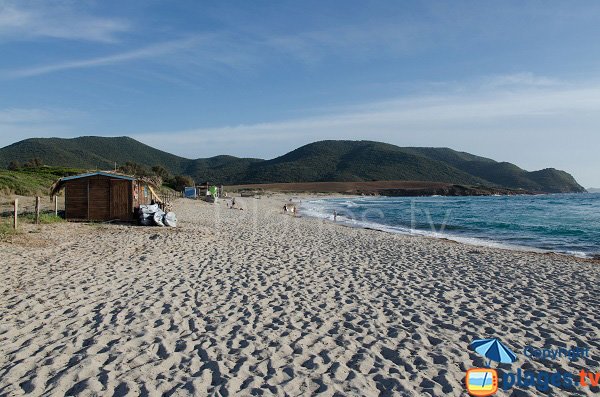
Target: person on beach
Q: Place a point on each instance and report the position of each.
(334, 215)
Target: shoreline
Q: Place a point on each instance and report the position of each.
(508, 248)
(465, 240)
(388, 188)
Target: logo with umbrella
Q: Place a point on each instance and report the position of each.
(493, 350)
(484, 381)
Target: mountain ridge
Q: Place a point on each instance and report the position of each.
(329, 160)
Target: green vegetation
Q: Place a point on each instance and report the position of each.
(6, 229)
(32, 181)
(502, 173)
(133, 168)
(365, 161)
(45, 218)
(88, 153)
(354, 161)
(6, 226)
(159, 174)
(316, 162)
(179, 182)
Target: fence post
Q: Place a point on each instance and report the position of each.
(55, 198)
(37, 210)
(15, 221)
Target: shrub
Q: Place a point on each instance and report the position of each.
(181, 181)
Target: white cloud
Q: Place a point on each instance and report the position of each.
(418, 113)
(148, 52)
(519, 80)
(242, 49)
(533, 127)
(55, 19)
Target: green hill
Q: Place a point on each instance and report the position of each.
(503, 173)
(354, 161)
(89, 152)
(315, 162)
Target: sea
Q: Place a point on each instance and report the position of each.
(561, 223)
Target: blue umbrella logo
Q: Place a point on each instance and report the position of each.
(494, 350)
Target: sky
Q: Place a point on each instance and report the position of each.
(515, 81)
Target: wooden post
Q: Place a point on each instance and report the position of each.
(55, 198)
(88, 199)
(37, 210)
(16, 216)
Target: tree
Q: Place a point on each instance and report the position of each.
(181, 181)
(34, 163)
(135, 169)
(161, 172)
(14, 165)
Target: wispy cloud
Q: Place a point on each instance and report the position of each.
(248, 49)
(555, 121)
(152, 51)
(469, 106)
(351, 41)
(519, 80)
(25, 19)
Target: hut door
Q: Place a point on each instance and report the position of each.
(119, 199)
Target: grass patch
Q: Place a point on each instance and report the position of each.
(6, 230)
(45, 219)
(50, 218)
(6, 224)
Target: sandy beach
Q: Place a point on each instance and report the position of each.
(256, 302)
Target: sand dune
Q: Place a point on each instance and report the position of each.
(255, 302)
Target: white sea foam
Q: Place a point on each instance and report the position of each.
(322, 209)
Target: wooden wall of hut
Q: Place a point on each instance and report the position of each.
(99, 198)
(76, 199)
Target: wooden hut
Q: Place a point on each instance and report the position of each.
(104, 196)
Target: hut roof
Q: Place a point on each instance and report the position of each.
(102, 173)
(58, 185)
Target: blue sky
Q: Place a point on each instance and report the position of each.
(515, 81)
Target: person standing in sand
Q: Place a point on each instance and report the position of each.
(334, 215)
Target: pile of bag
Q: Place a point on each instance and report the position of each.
(152, 215)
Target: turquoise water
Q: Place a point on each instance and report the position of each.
(563, 223)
